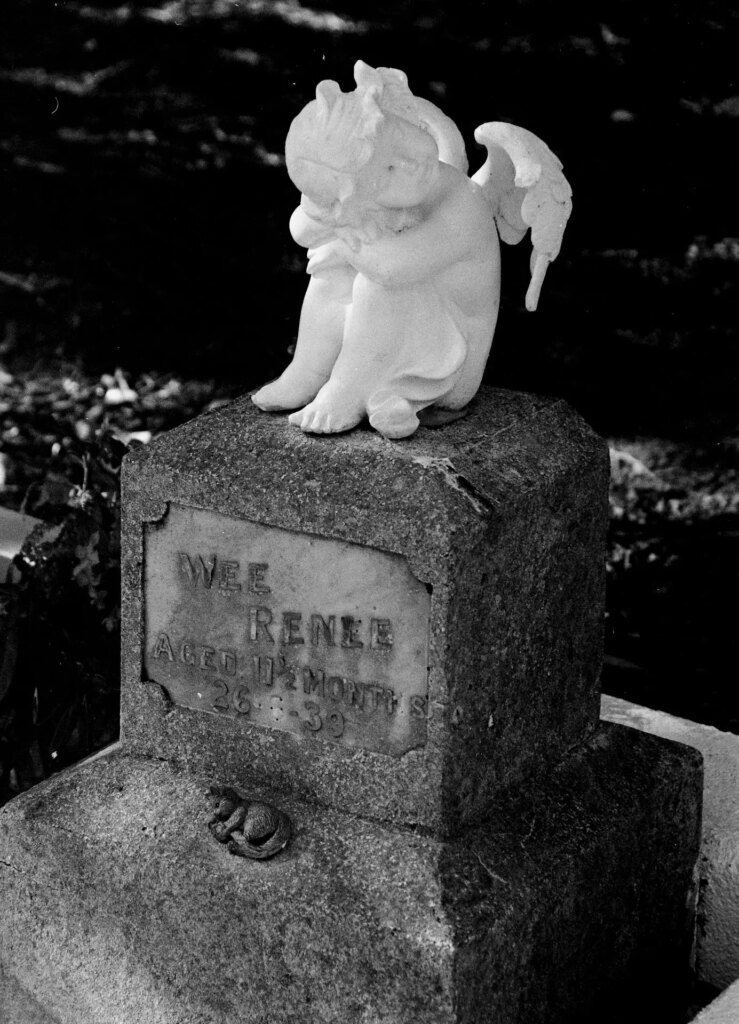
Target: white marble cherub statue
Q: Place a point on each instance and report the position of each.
(403, 254)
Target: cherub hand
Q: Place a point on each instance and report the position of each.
(319, 213)
(351, 237)
(357, 235)
(327, 257)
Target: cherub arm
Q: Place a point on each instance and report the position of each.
(416, 254)
(309, 232)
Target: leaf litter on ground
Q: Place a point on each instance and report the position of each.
(63, 435)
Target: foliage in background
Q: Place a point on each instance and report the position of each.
(146, 203)
(63, 442)
(673, 579)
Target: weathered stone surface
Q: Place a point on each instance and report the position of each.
(724, 1010)
(119, 906)
(717, 939)
(17, 1006)
(499, 517)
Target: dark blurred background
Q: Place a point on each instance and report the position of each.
(143, 225)
(143, 186)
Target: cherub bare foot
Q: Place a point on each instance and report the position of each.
(293, 389)
(395, 418)
(335, 408)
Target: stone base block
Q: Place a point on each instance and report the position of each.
(724, 1010)
(118, 905)
(407, 628)
(717, 940)
(17, 1006)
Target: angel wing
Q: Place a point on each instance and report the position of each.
(524, 183)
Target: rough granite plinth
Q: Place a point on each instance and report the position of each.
(118, 905)
(17, 1006)
(498, 521)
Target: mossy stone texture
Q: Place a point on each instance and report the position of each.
(118, 905)
(501, 515)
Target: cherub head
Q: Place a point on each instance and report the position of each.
(363, 149)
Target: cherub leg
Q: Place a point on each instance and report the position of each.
(342, 401)
(319, 342)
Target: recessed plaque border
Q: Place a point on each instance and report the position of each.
(333, 708)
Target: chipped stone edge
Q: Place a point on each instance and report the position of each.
(723, 1010)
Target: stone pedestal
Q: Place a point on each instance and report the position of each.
(120, 907)
(459, 571)
(398, 644)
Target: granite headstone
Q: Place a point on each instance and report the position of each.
(398, 645)
(399, 630)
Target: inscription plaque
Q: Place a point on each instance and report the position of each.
(285, 630)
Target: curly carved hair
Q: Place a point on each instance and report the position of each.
(335, 135)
